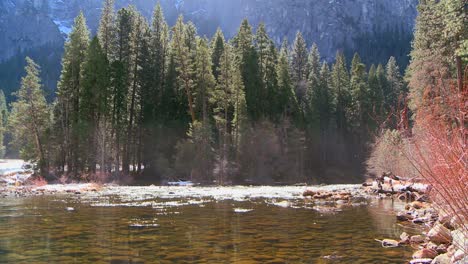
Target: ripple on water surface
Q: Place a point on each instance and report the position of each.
(236, 228)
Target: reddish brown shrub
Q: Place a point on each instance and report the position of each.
(38, 181)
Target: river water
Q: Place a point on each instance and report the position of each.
(196, 225)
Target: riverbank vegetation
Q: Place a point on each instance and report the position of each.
(155, 102)
(433, 147)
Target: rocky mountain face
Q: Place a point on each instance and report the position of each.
(332, 24)
(376, 29)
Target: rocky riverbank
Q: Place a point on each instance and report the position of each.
(444, 239)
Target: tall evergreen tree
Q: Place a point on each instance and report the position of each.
(217, 50)
(68, 93)
(340, 86)
(204, 79)
(359, 107)
(267, 58)
(138, 33)
(107, 30)
(375, 95)
(226, 99)
(286, 102)
(249, 66)
(394, 86)
(93, 105)
(3, 123)
(313, 93)
(29, 119)
(325, 98)
(431, 55)
(184, 64)
(299, 69)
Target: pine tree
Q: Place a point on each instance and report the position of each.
(107, 30)
(430, 59)
(68, 93)
(3, 123)
(394, 86)
(299, 70)
(223, 99)
(382, 83)
(375, 95)
(138, 33)
(184, 64)
(217, 50)
(340, 86)
(325, 100)
(286, 102)
(262, 44)
(204, 80)
(29, 118)
(267, 58)
(359, 110)
(93, 104)
(313, 93)
(249, 66)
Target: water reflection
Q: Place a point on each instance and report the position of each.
(40, 230)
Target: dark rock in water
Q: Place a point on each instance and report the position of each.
(402, 216)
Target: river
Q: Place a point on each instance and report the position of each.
(197, 225)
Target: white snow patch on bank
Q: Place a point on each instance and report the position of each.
(11, 166)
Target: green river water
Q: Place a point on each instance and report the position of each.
(194, 230)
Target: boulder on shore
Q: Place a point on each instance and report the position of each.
(425, 253)
(441, 259)
(417, 239)
(439, 234)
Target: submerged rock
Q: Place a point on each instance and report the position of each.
(389, 243)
